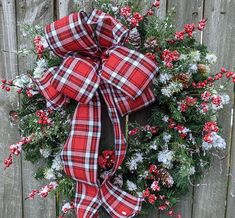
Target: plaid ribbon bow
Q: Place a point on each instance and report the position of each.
(94, 59)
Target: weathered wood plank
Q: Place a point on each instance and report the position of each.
(10, 180)
(210, 200)
(226, 49)
(187, 11)
(33, 12)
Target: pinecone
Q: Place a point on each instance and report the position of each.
(165, 177)
(151, 43)
(183, 78)
(134, 38)
(203, 69)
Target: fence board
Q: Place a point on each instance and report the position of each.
(210, 200)
(33, 12)
(191, 12)
(228, 35)
(10, 180)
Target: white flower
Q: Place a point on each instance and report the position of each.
(217, 142)
(49, 174)
(131, 186)
(172, 88)
(166, 92)
(166, 157)
(166, 137)
(211, 58)
(191, 170)
(225, 99)
(40, 68)
(165, 119)
(164, 78)
(57, 164)
(154, 145)
(134, 161)
(195, 56)
(193, 68)
(45, 152)
(183, 57)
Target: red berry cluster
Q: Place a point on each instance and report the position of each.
(135, 18)
(152, 193)
(106, 159)
(189, 29)
(210, 80)
(15, 149)
(169, 57)
(38, 45)
(6, 84)
(43, 117)
(43, 192)
(208, 128)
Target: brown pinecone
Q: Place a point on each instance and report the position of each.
(183, 78)
(202, 68)
(151, 43)
(165, 177)
(134, 38)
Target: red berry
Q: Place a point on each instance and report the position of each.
(2, 86)
(7, 89)
(19, 91)
(10, 82)
(4, 81)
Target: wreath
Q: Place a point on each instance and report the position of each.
(166, 156)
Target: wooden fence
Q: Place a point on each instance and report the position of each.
(215, 197)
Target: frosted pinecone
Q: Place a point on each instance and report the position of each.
(134, 38)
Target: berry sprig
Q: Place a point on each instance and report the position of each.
(44, 117)
(16, 149)
(189, 29)
(43, 191)
(210, 80)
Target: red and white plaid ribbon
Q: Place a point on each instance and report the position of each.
(94, 59)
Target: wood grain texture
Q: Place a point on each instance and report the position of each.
(33, 12)
(10, 179)
(187, 11)
(210, 200)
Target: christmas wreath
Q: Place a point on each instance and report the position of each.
(132, 59)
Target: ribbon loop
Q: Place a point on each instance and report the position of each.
(109, 31)
(77, 79)
(128, 70)
(71, 34)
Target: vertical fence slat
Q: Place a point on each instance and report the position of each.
(33, 12)
(187, 11)
(10, 180)
(210, 200)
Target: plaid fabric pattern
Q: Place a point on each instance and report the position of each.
(77, 79)
(109, 31)
(54, 98)
(71, 33)
(95, 60)
(128, 70)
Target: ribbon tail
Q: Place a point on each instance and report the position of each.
(87, 200)
(116, 201)
(119, 203)
(80, 152)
